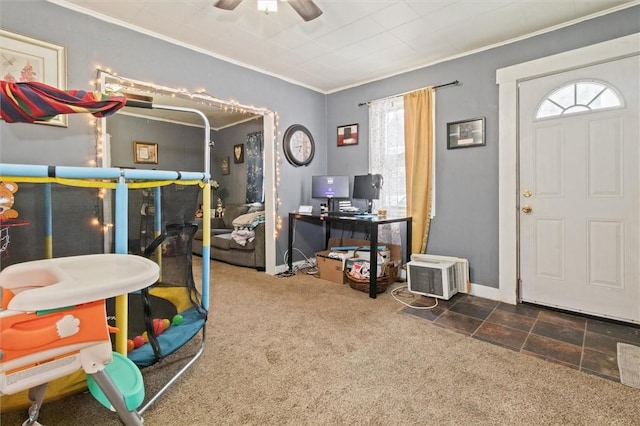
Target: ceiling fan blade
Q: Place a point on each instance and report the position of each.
(307, 9)
(227, 4)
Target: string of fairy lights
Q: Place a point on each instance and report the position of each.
(119, 84)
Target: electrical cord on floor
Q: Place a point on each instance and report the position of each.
(309, 266)
(403, 291)
(311, 269)
(288, 273)
(294, 270)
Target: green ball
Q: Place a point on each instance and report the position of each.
(177, 319)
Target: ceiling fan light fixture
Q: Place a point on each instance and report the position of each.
(268, 6)
(307, 9)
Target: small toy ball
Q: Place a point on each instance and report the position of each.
(138, 341)
(145, 337)
(158, 326)
(130, 345)
(166, 323)
(177, 319)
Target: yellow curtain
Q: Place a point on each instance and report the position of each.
(418, 136)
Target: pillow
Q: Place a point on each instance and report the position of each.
(231, 212)
(248, 220)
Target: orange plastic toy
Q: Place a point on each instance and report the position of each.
(53, 321)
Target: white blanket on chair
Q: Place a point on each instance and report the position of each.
(244, 225)
(243, 236)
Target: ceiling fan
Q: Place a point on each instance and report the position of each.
(307, 9)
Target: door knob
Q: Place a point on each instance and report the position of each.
(526, 208)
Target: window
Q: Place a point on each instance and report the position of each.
(386, 152)
(581, 96)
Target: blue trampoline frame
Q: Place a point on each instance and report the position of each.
(123, 178)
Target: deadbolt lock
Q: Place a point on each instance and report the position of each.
(526, 208)
(526, 193)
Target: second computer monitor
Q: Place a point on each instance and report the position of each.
(367, 187)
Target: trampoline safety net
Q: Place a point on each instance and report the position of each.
(164, 317)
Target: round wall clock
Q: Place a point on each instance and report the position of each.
(298, 145)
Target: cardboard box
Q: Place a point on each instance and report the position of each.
(330, 268)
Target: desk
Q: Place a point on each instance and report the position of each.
(371, 223)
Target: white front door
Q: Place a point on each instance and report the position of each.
(579, 192)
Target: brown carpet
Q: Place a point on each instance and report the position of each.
(291, 351)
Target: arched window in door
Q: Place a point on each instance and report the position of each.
(577, 97)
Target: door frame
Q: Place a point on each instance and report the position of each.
(508, 79)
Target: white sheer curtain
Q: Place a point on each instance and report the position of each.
(386, 157)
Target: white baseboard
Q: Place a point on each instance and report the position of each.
(484, 291)
(476, 289)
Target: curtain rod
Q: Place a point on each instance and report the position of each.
(453, 83)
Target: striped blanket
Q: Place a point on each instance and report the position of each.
(26, 102)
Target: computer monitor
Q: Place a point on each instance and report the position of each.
(367, 187)
(330, 186)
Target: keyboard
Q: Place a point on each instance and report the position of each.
(355, 213)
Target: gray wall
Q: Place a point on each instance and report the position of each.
(233, 187)
(179, 147)
(466, 222)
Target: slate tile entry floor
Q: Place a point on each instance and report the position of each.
(585, 343)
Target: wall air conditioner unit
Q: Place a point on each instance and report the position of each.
(437, 276)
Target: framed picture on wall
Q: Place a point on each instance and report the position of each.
(348, 135)
(466, 133)
(224, 166)
(145, 153)
(26, 59)
(238, 153)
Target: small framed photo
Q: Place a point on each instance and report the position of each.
(224, 166)
(466, 133)
(27, 59)
(145, 153)
(238, 153)
(348, 135)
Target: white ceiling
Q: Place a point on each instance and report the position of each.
(352, 42)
